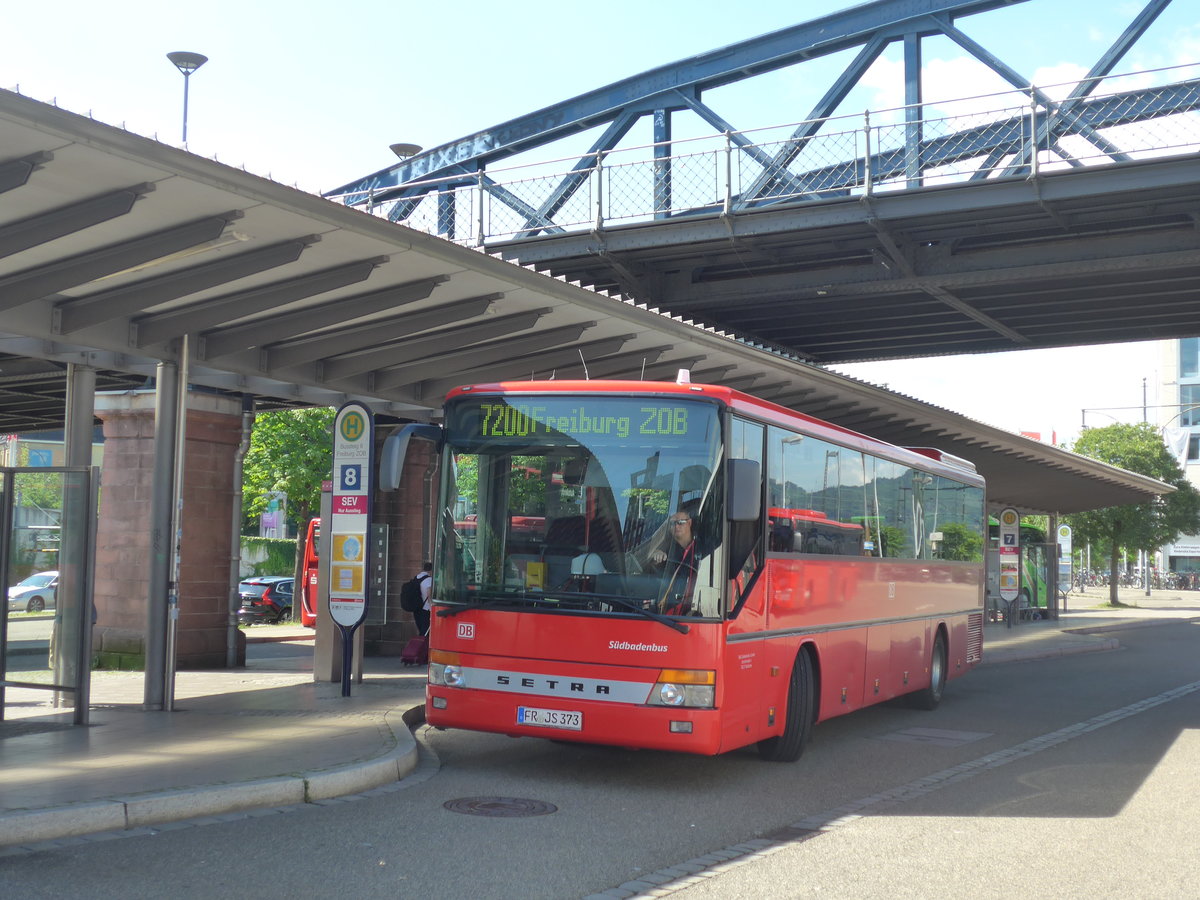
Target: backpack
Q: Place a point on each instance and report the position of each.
(410, 593)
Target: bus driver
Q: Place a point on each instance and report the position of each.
(679, 561)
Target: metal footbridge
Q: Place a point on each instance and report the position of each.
(1039, 216)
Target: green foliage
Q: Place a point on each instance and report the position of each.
(1030, 523)
(1142, 526)
(649, 499)
(39, 489)
(466, 478)
(891, 541)
(527, 485)
(291, 451)
(961, 542)
(526, 482)
(272, 556)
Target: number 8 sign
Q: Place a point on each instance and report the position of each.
(349, 477)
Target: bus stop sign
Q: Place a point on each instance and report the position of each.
(1010, 554)
(353, 443)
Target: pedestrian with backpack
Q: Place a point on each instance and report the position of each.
(419, 591)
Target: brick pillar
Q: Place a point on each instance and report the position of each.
(123, 533)
(401, 510)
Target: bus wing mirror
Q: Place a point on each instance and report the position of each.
(395, 448)
(745, 490)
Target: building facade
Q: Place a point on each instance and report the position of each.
(1179, 421)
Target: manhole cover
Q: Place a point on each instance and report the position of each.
(499, 806)
(937, 736)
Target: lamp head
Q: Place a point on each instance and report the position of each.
(187, 62)
(405, 150)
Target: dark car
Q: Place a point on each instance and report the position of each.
(265, 598)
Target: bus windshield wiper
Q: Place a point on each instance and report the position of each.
(648, 613)
(540, 600)
(491, 600)
(477, 600)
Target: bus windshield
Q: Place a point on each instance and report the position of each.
(593, 504)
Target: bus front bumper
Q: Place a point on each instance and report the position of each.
(683, 730)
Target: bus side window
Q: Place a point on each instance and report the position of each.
(782, 534)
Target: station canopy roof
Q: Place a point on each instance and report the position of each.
(114, 247)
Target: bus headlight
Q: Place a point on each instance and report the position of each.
(445, 669)
(447, 675)
(685, 687)
(670, 694)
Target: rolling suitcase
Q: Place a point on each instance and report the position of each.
(416, 651)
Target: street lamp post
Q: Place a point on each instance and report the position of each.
(187, 63)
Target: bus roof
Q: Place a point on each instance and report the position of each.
(948, 458)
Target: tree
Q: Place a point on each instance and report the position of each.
(291, 450)
(1141, 526)
(961, 542)
(38, 489)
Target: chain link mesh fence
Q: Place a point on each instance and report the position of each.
(1010, 134)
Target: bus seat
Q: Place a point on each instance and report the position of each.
(604, 535)
(565, 536)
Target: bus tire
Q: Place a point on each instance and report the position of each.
(797, 726)
(929, 698)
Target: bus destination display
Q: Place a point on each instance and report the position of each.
(604, 418)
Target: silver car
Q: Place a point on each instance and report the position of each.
(35, 593)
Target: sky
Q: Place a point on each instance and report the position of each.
(313, 94)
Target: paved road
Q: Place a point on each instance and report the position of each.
(1067, 777)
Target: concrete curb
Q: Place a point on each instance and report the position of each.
(1130, 623)
(125, 813)
(281, 639)
(1025, 654)
(61, 822)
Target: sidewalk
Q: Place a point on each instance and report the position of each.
(262, 736)
(267, 735)
(1085, 625)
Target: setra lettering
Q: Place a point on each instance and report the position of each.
(552, 685)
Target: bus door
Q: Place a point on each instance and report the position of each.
(752, 669)
(309, 589)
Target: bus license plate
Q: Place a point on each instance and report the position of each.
(571, 720)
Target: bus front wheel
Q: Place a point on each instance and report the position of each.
(797, 726)
(930, 697)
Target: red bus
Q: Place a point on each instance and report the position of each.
(809, 531)
(308, 575)
(578, 630)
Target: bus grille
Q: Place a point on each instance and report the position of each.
(974, 637)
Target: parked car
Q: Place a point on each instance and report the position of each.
(265, 598)
(35, 593)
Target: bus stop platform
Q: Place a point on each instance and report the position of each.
(267, 736)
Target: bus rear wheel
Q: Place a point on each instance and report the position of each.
(930, 697)
(797, 727)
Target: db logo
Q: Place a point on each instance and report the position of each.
(466, 630)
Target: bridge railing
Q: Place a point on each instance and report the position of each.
(1001, 135)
